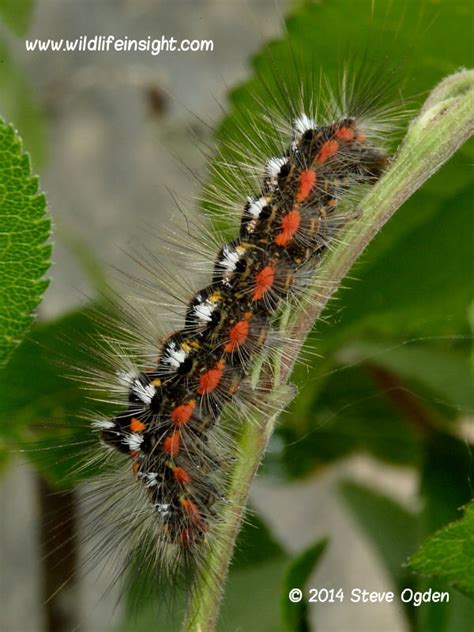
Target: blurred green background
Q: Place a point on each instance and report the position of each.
(374, 455)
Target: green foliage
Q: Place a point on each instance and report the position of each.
(255, 544)
(421, 363)
(391, 377)
(449, 554)
(395, 532)
(413, 284)
(295, 615)
(393, 380)
(251, 601)
(446, 475)
(417, 293)
(349, 415)
(254, 584)
(255, 579)
(17, 14)
(447, 472)
(249, 604)
(24, 231)
(417, 334)
(41, 405)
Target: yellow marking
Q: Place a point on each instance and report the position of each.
(189, 345)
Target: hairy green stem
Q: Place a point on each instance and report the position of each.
(443, 125)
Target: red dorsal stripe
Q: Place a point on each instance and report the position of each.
(345, 133)
(171, 444)
(307, 180)
(181, 476)
(182, 413)
(328, 149)
(263, 282)
(210, 380)
(191, 509)
(290, 224)
(238, 334)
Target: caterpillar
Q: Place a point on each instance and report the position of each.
(170, 429)
(165, 451)
(181, 403)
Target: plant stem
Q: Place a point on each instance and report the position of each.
(443, 125)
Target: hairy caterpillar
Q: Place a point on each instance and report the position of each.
(170, 431)
(180, 510)
(168, 465)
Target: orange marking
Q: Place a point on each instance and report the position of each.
(136, 425)
(171, 444)
(360, 137)
(263, 282)
(181, 476)
(210, 380)
(182, 413)
(238, 334)
(134, 455)
(328, 149)
(307, 181)
(332, 203)
(345, 133)
(191, 509)
(290, 224)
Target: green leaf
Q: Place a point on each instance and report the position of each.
(17, 14)
(251, 595)
(448, 470)
(414, 279)
(393, 298)
(443, 371)
(24, 251)
(449, 554)
(300, 569)
(426, 290)
(471, 325)
(349, 415)
(255, 544)
(41, 415)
